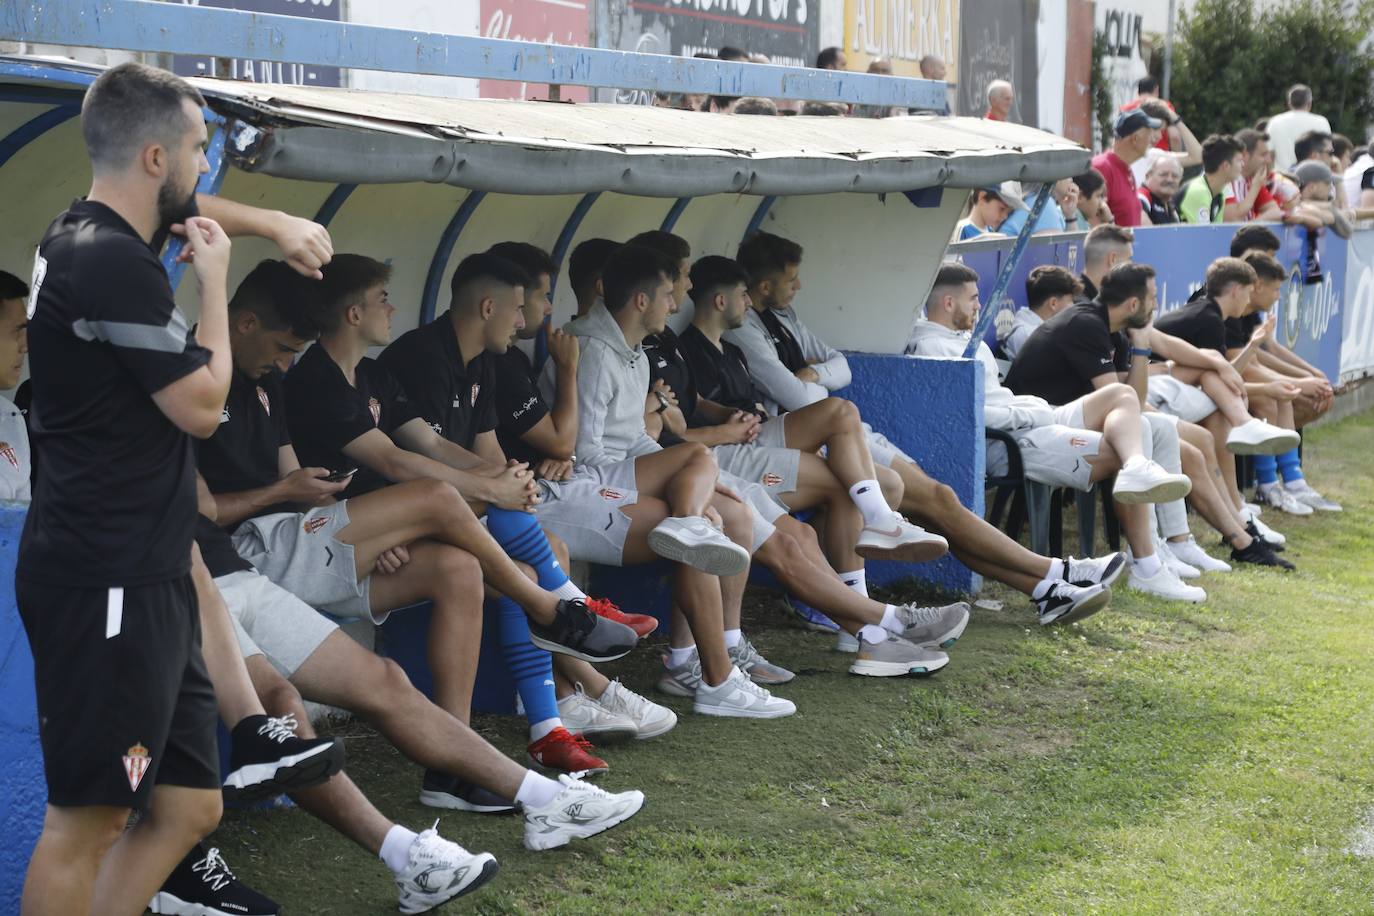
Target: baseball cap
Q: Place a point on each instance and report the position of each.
(1009, 193)
(1128, 122)
(1310, 172)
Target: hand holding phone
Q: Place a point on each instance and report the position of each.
(337, 476)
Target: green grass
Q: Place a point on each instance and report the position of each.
(1158, 758)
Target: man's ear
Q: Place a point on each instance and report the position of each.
(486, 308)
(245, 322)
(154, 159)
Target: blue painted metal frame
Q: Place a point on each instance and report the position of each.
(675, 213)
(141, 25)
(34, 128)
(444, 250)
(330, 208)
(990, 308)
(560, 251)
(756, 220)
(209, 183)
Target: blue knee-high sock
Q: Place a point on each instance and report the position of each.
(521, 538)
(1290, 466)
(530, 665)
(1266, 470)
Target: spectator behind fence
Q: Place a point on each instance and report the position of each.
(832, 58)
(1092, 201)
(753, 105)
(1315, 187)
(1249, 197)
(933, 68)
(1001, 96)
(880, 66)
(990, 208)
(1162, 182)
(1063, 204)
(1359, 181)
(1204, 197)
(1176, 141)
(1284, 129)
(825, 109)
(1134, 135)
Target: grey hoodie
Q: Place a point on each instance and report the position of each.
(612, 382)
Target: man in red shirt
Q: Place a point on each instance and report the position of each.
(1134, 134)
(1249, 197)
(1147, 89)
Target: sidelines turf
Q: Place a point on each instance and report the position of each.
(1156, 759)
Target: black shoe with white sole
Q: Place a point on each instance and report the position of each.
(1065, 602)
(576, 631)
(1260, 553)
(203, 885)
(268, 759)
(1253, 530)
(440, 790)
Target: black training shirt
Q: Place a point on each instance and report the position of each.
(721, 374)
(519, 408)
(1061, 357)
(115, 500)
(1238, 330)
(326, 413)
(666, 363)
(243, 452)
(1200, 323)
(217, 550)
(455, 396)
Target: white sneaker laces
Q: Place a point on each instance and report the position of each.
(279, 729)
(213, 870)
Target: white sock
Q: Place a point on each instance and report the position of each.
(733, 638)
(890, 621)
(537, 791)
(1057, 569)
(872, 635)
(856, 581)
(569, 591)
(678, 657)
(396, 848)
(868, 496)
(1042, 588)
(1148, 566)
(540, 730)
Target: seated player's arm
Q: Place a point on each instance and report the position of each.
(298, 486)
(555, 434)
(304, 244)
(550, 439)
(418, 452)
(770, 375)
(711, 412)
(205, 503)
(830, 365)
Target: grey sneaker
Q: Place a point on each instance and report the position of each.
(760, 670)
(576, 631)
(896, 657)
(1302, 491)
(696, 542)
(933, 627)
(739, 697)
(683, 680)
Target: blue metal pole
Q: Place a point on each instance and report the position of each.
(443, 251)
(760, 212)
(209, 183)
(32, 129)
(333, 202)
(675, 213)
(560, 251)
(999, 289)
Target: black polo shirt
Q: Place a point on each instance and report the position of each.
(115, 499)
(1061, 358)
(721, 374)
(243, 452)
(1199, 322)
(454, 395)
(519, 408)
(666, 362)
(326, 413)
(1161, 212)
(1238, 330)
(217, 550)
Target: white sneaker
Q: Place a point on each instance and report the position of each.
(1256, 437)
(1282, 500)
(584, 716)
(1302, 491)
(580, 810)
(1251, 515)
(844, 642)
(1189, 552)
(1141, 480)
(439, 870)
(1166, 556)
(900, 540)
(739, 697)
(1164, 584)
(650, 719)
(696, 542)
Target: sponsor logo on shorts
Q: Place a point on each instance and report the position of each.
(611, 495)
(8, 451)
(262, 399)
(1078, 441)
(472, 399)
(770, 479)
(375, 407)
(136, 763)
(315, 524)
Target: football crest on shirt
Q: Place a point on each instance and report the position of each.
(315, 524)
(136, 763)
(472, 399)
(770, 479)
(262, 399)
(8, 451)
(611, 495)
(375, 407)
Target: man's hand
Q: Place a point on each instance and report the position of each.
(657, 389)
(304, 244)
(513, 488)
(1313, 388)
(207, 249)
(741, 429)
(389, 561)
(554, 469)
(1281, 390)
(1265, 332)
(1140, 337)
(563, 349)
(1229, 375)
(724, 489)
(807, 374)
(308, 487)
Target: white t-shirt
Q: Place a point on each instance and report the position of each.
(15, 466)
(1354, 176)
(1285, 129)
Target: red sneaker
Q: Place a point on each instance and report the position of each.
(642, 624)
(564, 752)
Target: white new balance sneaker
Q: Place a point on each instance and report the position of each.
(580, 810)
(1279, 498)
(1141, 480)
(1302, 491)
(589, 718)
(649, 718)
(898, 539)
(1189, 552)
(696, 542)
(1256, 437)
(440, 870)
(739, 697)
(1164, 584)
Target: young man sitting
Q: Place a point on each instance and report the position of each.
(1049, 290)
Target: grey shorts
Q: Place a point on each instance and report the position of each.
(588, 515)
(300, 553)
(1056, 455)
(775, 469)
(763, 508)
(1187, 402)
(883, 451)
(270, 621)
(772, 433)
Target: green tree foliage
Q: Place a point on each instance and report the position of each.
(1234, 64)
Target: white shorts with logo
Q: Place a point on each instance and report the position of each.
(773, 468)
(588, 515)
(1187, 402)
(762, 507)
(270, 621)
(1055, 447)
(300, 553)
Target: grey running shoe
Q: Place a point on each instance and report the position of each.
(1304, 494)
(896, 657)
(683, 680)
(933, 627)
(696, 542)
(739, 697)
(576, 631)
(760, 670)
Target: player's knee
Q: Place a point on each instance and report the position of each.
(392, 684)
(946, 498)
(280, 698)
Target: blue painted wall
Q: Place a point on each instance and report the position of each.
(23, 791)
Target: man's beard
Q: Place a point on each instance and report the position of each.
(172, 210)
(1138, 319)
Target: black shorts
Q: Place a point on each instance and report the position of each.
(124, 701)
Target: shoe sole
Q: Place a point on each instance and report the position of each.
(433, 799)
(1160, 493)
(489, 870)
(172, 905)
(566, 839)
(1276, 446)
(584, 774)
(298, 772)
(674, 689)
(764, 682)
(713, 559)
(914, 552)
(610, 735)
(731, 713)
(671, 723)
(1150, 594)
(549, 645)
(866, 668)
(1081, 610)
(950, 637)
(848, 649)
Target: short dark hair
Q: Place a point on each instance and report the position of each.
(1250, 138)
(1157, 109)
(1048, 281)
(634, 269)
(828, 58)
(586, 261)
(1299, 96)
(674, 246)
(1266, 266)
(1262, 125)
(764, 254)
(1222, 272)
(11, 287)
(950, 274)
(712, 272)
(1125, 281)
(1146, 84)
(1219, 149)
(486, 266)
(346, 277)
(730, 52)
(1100, 241)
(754, 105)
(1341, 144)
(1254, 235)
(283, 299)
(532, 259)
(824, 109)
(129, 106)
(1089, 182)
(1309, 143)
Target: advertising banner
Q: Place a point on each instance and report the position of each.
(564, 22)
(263, 71)
(903, 31)
(1357, 324)
(997, 42)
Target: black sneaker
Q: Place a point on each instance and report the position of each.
(268, 759)
(440, 790)
(576, 631)
(1065, 603)
(1254, 533)
(1260, 554)
(202, 885)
